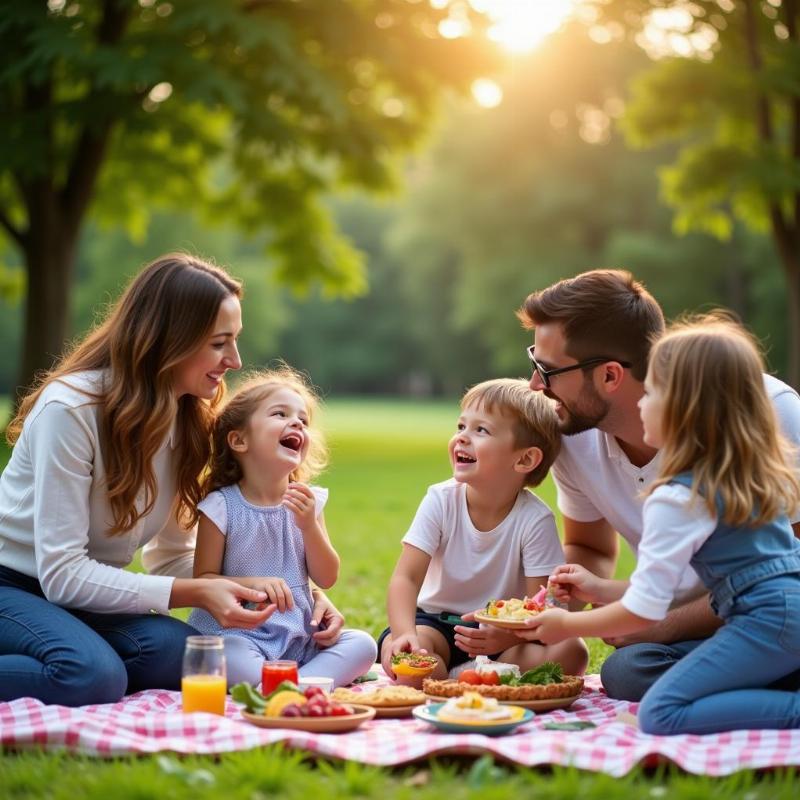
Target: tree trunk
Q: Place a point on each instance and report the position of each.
(49, 257)
(792, 270)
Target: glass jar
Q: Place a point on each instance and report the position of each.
(203, 685)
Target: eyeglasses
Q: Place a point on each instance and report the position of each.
(546, 374)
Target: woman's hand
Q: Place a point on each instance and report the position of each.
(483, 641)
(326, 617)
(574, 582)
(223, 599)
(299, 499)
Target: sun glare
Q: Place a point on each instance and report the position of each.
(520, 25)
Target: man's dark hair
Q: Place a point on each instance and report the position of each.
(604, 312)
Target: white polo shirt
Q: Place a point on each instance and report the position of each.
(55, 516)
(595, 480)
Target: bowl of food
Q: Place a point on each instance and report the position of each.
(411, 669)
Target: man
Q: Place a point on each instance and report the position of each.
(592, 339)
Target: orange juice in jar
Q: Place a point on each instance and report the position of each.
(203, 685)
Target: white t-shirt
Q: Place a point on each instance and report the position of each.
(674, 530)
(469, 567)
(595, 480)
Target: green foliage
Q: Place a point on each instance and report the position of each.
(248, 111)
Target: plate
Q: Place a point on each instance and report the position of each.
(315, 724)
(430, 713)
(388, 712)
(509, 624)
(549, 704)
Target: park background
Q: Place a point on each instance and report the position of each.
(391, 178)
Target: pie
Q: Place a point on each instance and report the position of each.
(385, 697)
(570, 685)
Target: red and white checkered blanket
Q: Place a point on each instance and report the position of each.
(152, 721)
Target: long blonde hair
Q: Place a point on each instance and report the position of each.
(224, 468)
(164, 316)
(719, 423)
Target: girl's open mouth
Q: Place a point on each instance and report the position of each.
(293, 441)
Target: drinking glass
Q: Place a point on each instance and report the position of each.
(275, 672)
(203, 684)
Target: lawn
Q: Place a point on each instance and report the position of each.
(383, 456)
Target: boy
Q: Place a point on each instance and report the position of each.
(481, 535)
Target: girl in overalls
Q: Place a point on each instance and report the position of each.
(262, 526)
(719, 506)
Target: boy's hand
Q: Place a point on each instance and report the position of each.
(549, 627)
(278, 592)
(299, 499)
(483, 641)
(574, 582)
(406, 643)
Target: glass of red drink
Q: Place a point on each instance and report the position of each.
(275, 672)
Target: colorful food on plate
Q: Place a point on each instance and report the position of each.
(473, 707)
(545, 682)
(413, 664)
(385, 697)
(288, 701)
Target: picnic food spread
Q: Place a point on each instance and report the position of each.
(385, 697)
(472, 706)
(413, 664)
(288, 701)
(545, 682)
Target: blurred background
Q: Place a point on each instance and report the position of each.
(391, 178)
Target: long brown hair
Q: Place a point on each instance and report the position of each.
(719, 422)
(224, 468)
(164, 315)
(604, 312)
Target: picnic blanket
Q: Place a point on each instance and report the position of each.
(152, 721)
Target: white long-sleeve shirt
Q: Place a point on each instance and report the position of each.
(55, 515)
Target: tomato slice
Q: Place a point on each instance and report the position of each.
(490, 678)
(470, 676)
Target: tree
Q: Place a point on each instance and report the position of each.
(542, 187)
(246, 109)
(732, 102)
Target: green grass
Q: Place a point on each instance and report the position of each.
(384, 455)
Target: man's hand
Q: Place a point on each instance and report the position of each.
(483, 641)
(549, 627)
(327, 618)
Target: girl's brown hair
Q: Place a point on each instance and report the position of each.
(225, 469)
(164, 316)
(719, 423)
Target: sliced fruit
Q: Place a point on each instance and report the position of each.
(279, 701)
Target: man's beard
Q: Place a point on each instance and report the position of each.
(589, 411)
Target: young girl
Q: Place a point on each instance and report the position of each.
(719, 505)
(262, 525)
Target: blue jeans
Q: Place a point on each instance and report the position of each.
(722, 683)
(76, 658)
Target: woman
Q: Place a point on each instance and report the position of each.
(108, 453)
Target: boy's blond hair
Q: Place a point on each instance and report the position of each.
(718, 421)
(533, 414)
